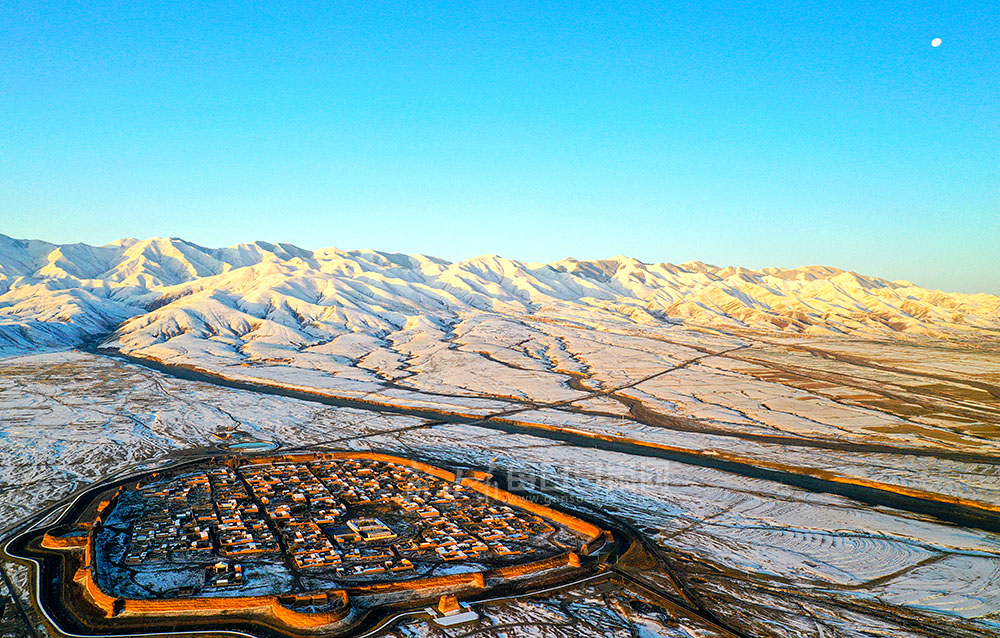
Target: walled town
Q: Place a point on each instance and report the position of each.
(348, 518)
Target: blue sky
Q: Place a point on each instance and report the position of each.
(744, 133)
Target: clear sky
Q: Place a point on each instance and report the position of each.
(738, 133)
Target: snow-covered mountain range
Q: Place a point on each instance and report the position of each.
(253, 298)
(591, 375)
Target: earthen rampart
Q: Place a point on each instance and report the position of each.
(264, 607)
(79, 541)
(569, 559)
(95, 595)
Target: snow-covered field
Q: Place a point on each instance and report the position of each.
(814, 372)
(764, 554)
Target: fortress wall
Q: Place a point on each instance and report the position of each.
(478, 475)
(88, 549)
(176, 606)
(266, 607)
(514, 571)
(93, 594)
(300, 620)
(65, 542)
(583, 527)
(470, 579)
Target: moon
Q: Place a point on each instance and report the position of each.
(936, 42)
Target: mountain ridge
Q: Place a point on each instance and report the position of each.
(144, 292)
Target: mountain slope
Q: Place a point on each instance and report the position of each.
(257, 300)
